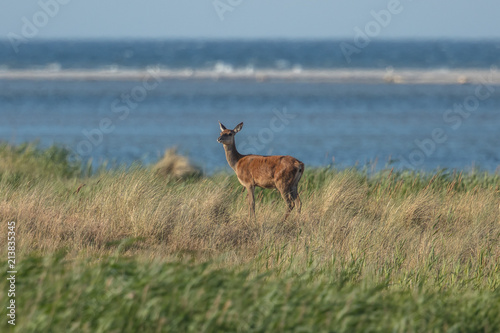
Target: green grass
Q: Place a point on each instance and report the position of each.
(135, 250)
(119, 294)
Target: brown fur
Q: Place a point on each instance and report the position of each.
(272, 172)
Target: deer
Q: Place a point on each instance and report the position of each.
(270, 172)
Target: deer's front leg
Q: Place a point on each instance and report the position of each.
(251, 201)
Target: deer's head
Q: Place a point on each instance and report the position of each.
(226, 135)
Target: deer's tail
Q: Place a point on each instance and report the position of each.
(299, 167)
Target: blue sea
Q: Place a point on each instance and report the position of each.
(405, 104)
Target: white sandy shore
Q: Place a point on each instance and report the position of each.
(406, 76)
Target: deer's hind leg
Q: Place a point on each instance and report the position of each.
(295, 186)
(296, 199)
(288, 197)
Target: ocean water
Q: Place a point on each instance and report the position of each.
(418, 105)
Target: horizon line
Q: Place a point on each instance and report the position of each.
(255, 38)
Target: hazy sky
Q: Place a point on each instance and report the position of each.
(249, 18)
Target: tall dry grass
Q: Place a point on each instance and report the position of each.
(403, 221)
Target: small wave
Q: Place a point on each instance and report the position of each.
(249, 69)
(223, 71)
(222, 67)
(297, 69)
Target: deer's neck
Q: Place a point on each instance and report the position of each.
(232, 155)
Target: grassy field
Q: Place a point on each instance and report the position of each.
(166, 249)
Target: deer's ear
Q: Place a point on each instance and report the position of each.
(238, 127)
(222, 127)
